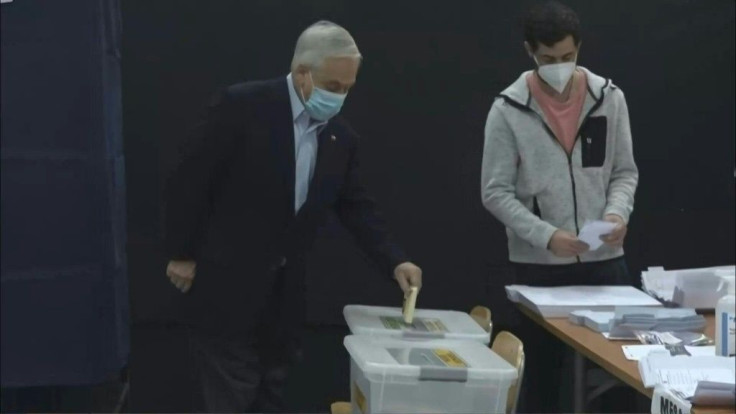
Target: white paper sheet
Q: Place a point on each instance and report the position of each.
(661, 283)
(686, 380)
(637, 352)
(682, 373)
(558, 302)
(593, 230)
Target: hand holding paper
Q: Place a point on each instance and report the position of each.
(616, 238)
(566, 244)
(592, 232)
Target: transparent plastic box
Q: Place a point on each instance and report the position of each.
(427, 324)
(389, 375)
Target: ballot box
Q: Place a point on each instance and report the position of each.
(427, 324)
(393, 375)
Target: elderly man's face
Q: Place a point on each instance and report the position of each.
(337, 74)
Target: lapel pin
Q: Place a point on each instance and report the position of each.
(333, 138)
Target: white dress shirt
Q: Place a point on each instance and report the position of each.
(306, 130)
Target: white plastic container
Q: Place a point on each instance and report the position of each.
(397, 376)
(427, 324)
(726, 321)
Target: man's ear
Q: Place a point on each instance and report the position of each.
(528, 48)
(300, 71)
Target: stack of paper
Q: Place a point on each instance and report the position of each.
(628, 320)
(662, 285)
(559, 302)
(597, 321)
(682, 373)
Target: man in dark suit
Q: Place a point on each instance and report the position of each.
(263, 169)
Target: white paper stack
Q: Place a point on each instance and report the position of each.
(597, 321)
(696, 288)
(628, 320)
(682, 373)
(559, 302)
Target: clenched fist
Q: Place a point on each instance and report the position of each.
(181, 273)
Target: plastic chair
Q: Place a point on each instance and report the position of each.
(511, 349)
(341, 407)
(482, 315)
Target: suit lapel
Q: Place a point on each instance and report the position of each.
(283, 139)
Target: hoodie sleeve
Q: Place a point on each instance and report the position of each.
(624, 173)
(498, 180)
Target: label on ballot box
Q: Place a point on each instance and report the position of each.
(419, 324)
(427, 357)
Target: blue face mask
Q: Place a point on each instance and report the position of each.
(323, 105)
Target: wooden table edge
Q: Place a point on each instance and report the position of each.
(613, 369)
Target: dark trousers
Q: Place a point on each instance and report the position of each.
(545, 376)
(246, 371)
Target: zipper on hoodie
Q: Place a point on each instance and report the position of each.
(568, 156)
(569, 167)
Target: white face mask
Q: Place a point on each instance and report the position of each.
(557, 74)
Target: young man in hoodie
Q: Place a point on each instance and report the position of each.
(558, 153)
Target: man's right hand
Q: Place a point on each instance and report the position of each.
(566, 244)
(181, 273)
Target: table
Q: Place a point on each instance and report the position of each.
(607, 354)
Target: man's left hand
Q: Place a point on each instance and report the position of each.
(407, 275)
(617, 236)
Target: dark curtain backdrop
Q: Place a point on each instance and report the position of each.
(65, 302)
(430, 73)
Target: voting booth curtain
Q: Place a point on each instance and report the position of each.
(64, 284)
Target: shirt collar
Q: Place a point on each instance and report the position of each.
(297, 107)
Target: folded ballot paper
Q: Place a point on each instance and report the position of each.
(592, 232)
(628, 320)
(559, 302)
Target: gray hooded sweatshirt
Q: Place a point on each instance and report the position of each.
(534, 187)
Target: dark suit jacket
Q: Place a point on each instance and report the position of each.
(230, 201)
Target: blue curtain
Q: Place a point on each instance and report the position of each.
(65, 298)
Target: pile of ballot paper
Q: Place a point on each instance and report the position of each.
(701, 380)
(695, 288)
(624, 321)
(559, 302)
(627, 321)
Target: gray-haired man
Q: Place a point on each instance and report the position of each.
(265, 166)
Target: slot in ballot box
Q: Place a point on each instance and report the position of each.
(428, 324)
(391, 375)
